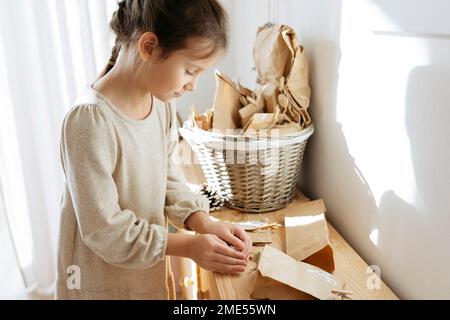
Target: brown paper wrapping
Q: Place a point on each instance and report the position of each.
(282, 277)
(283, 90)
(307, 237)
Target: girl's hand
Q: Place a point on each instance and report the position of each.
(212, 253)
(232, 234)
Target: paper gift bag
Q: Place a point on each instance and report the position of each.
(226, 104)
(282, 68)
(271, 55)
(282, 277)
(307, 237)
(297, 80)
(297, 77)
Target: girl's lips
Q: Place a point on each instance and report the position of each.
(177, 94)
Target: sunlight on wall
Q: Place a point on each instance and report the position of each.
(374, 124)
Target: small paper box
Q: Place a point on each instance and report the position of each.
(281, 277)
(307, 237)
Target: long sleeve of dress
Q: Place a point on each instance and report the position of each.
(181, 202)
(89, 155)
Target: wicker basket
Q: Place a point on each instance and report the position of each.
(253, 174)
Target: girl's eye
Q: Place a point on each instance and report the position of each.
(190, 73)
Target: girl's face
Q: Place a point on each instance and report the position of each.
(171, 77)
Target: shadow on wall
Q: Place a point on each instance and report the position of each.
(421, 252)
(421, 230)
(324, 57)
(428, 221)
(354, 189)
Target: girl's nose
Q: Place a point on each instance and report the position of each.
(191, 86)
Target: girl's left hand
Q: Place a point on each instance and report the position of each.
(233, 234)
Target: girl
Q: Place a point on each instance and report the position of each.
(117, 148)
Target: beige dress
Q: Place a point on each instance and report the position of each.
(122, 184)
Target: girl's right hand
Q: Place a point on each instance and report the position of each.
(214, 254)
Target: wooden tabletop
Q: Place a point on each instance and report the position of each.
(350, 268)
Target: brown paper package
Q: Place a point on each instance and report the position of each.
(307, 236)
(282, 277)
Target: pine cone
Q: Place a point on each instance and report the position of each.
(216, 201)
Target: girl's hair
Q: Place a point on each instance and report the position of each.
(173, 22)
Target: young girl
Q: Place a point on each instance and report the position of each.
(117, 148)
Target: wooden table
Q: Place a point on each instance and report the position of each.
(350, 268)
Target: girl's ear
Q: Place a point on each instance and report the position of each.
(147, 45)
